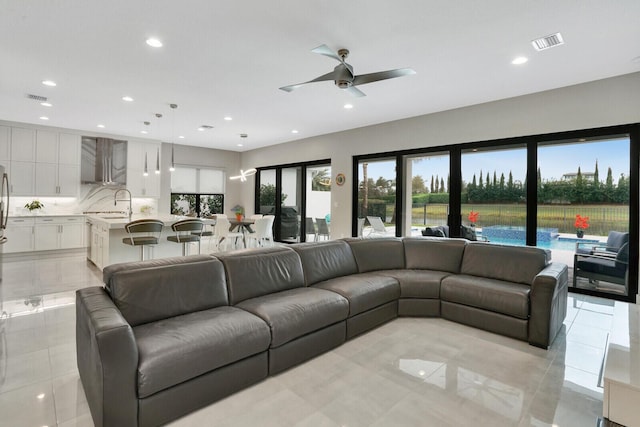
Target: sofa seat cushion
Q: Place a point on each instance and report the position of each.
(418, 283)
(175, 350)
(364, 291)
(488, 294)
(296, 312)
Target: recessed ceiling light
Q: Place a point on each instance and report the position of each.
(519, 60)
(154, 42)
(240, 145)
(49, 83)
(46, 104)
(348, 106)
(127, 98)
(44, 118)
(201, 129)
(227, 118)
(181, 137)
(40, 396)
(101, 126)
(294, 131)
(144, 131)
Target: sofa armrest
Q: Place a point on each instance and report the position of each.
(548, 300)
(107, 359)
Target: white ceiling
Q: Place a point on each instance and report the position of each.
(229, 59)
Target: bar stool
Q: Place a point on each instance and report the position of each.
(187, 231)
(152, 229)
(207, 231)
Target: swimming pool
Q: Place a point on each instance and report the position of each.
(559, 243)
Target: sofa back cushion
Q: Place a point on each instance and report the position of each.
(377, 253)
(433, 254)
(256, 272)
(149, 291)
(326, 260)
(509, 263)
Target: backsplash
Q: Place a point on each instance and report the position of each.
(94, 198)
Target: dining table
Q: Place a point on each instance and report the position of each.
(242, 226)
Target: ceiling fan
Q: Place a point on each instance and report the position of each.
(343, 75)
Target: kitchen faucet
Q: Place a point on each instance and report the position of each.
(116, 200)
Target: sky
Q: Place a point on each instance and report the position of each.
(554, 161)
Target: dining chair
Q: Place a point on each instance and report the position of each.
(222, 234)
(263, 233)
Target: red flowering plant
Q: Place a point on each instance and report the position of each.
(582, 222)
(473, 218)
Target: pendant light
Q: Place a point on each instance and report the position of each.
(158, 115)
(173, 128)
(244, 173)
(146, 170)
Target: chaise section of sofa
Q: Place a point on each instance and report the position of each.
(304, 321)
(161, 331)
(513, 291)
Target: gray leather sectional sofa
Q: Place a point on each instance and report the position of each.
(166, 337)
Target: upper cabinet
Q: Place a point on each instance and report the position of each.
(57, 171)
(23, 145)
(42, 162)
(139, 153)
(5, 145)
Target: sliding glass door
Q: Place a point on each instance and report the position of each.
(296, 194)
(583, 199)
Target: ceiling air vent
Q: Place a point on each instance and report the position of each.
(37, 97)
(547, 42)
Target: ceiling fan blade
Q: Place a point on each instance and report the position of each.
(323, 49)
(381, 75)
(324, 77)
(354, 91)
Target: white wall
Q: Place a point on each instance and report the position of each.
(601, 103)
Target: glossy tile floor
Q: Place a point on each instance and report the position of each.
(409, 372)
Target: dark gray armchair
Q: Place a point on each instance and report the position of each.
(609, 262)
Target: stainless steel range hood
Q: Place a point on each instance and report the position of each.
(104, 161)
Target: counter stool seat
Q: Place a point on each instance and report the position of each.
(187, 231)
(150, 230)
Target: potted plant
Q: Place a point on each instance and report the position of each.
(581, 224)
(239, 211)
(34, 206)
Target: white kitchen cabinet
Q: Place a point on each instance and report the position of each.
(59, 233)
(5, 145)
(20, 235)
(57, 169)
(56, 179)
(99, 244)
(21, 178)
(23, 145)
(46, 147)
(137, 183)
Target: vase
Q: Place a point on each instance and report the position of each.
(580, 233)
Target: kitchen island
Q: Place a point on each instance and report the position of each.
(107, 232)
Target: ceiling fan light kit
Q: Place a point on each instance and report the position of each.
(343, 75)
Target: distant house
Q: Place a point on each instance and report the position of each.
(572, 176)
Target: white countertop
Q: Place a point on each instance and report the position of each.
(114, 221)
(623, 355)
(43, 215)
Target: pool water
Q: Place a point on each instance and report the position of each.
(558, 243)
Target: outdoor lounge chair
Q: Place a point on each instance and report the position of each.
(377, 226)
(615, 241)
(603, 266)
